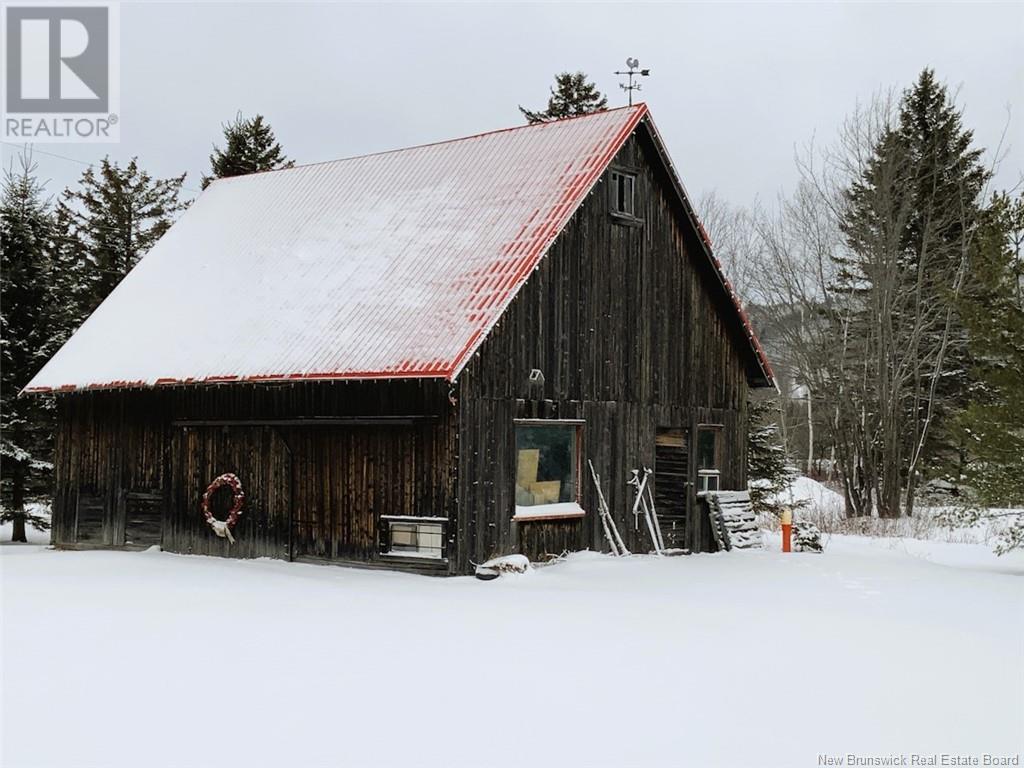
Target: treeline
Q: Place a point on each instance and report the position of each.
(60, 259)
(888, 288)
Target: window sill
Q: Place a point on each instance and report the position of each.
(626, 219)
(414, 519)
(568, 510)
(415, 556)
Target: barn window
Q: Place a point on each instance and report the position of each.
(709, 458)
(547, 468)
(414, 536)
(623, 187)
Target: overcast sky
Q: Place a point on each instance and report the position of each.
(733, 87)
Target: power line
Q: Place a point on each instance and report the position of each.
(110, 230)
(44, 152)
(71, 159)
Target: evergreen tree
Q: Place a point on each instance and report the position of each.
(249, 147)
(768, 471)
(26, 324)
(992, 426)
(71, 278)
(111, 220)
(571, 95)
(908, 225)
(947, 181)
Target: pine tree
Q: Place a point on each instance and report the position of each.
(115, 216)
(26, 323)
(572, 95)
(992, 425)
(71, 276)
(908, 225)
(873, 316)
(768, 471)
(945, 206)
(249, 147)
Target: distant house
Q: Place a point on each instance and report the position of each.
(405, 360)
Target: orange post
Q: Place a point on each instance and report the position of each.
(787, 529)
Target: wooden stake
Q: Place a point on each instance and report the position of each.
(611, 532)
(654, 512)
(641, 503)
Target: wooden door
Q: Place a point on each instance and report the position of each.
(143, 519)
(261, 459)
(672, 491)
(91, 519)
(345, 478)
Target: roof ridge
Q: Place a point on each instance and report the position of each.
(640, 106)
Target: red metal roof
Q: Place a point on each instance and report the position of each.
(382, 266)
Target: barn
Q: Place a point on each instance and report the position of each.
(406, 360)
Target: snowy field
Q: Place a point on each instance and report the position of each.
(823, 506)
(744, 659)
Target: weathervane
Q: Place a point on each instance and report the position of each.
(633, 71)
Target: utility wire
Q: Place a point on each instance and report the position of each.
(70, 159)
(113, 230)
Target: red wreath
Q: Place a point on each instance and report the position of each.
(232, 481)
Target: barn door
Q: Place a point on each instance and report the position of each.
(345, 479)
(671, 484)
(91, 517)
(143, 519)
(260, 458)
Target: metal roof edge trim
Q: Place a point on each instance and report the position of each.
(287, 378)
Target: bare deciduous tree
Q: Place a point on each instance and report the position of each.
(860, 269)
(734, 237)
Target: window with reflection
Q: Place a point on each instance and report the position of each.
(547, 463)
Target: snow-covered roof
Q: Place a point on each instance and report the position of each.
(383, 266)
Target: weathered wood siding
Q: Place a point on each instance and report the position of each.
(626, 321)
(314, 491)
(632, 334)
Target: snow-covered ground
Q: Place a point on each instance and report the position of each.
(741, 659)
(815, 501)
(823, 506)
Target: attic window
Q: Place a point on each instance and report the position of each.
(622, 191)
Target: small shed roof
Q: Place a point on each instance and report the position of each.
(389, 265)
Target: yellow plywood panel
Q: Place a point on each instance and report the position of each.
(546, 492)
(671, 439)
(526, 472)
